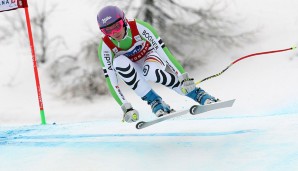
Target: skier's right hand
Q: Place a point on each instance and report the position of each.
(130, 114)
(187, 84)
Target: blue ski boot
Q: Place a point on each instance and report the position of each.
(158, 106)
(200, 96)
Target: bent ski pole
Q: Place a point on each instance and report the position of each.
(244, 57)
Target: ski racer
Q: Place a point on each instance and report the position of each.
(133, 50)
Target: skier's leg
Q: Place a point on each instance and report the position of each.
(131, 73)
(154, 69)
(159, 107)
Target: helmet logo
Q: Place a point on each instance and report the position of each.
(106, 19)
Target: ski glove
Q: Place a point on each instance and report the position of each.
(130, 114)
(187, 84)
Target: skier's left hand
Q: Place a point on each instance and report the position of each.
(187, 84)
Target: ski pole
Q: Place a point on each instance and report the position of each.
(244, 57)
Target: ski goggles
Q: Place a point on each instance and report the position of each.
(114, 28)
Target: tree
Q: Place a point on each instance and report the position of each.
(44, 42)
(78, 75)
(40, 20)
(201, 29)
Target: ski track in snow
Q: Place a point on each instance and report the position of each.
(15, 137)
(39, 135)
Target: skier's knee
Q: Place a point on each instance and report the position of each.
(147, 71)
(121, 61)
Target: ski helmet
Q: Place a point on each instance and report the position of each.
(110, 15)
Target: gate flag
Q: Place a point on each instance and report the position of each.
(7, 5)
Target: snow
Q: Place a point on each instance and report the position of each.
(257, 133)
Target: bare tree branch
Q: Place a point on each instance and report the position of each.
(39, 25)
(206, 26)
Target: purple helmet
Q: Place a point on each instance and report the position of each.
(109, 15)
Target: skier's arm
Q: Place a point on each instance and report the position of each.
(150, 34)
(106, 58)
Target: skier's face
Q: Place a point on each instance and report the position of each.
(116, 30)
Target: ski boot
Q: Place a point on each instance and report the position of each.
(200, 96)
(158, 106)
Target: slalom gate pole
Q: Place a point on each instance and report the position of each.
(244, 57)
(42, 114)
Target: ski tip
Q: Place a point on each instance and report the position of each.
(226, 101)
(233, 101)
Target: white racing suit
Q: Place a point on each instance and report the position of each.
(140, 56)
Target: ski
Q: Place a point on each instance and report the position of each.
(143, 124)
(194, 110)
(197, 109)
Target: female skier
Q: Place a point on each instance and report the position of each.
(133, 50)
